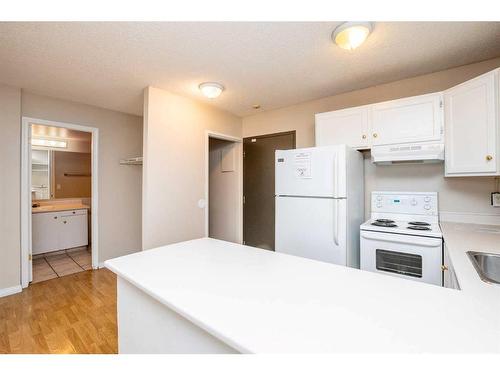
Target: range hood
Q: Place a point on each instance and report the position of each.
(408, 153)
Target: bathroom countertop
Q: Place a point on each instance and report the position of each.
(59, 207)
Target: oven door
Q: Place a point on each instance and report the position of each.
(410, 257)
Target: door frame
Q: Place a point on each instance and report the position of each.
(239, 152)
(26, 232)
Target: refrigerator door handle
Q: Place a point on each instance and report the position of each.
(336, 222)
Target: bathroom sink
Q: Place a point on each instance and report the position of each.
(487, 266)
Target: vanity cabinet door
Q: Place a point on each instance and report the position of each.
(407, 120)
(472, 131)
(346, 126)
(45, 229)
(73, 230)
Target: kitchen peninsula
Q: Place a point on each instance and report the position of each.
(211, 296)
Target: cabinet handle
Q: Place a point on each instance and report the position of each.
(444, 268)
(489, 157)
(375, 135)
(364, 136)
(64, 221)
(55, 217)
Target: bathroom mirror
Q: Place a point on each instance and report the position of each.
(61, 163)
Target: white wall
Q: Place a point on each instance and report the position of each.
(471, 194)
(174, 164)
(10, 187)
(120, 136)
(224, 193)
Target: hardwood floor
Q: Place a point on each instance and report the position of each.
(70, 314)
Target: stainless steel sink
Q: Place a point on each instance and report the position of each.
(487, 266)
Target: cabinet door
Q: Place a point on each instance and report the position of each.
(345, 126)
(414, 119)
(73, 231)
(471, 127)
(45, 229)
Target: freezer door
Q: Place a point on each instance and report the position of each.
(313, 228)
(312, 172)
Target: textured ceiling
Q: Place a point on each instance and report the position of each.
(272, 64)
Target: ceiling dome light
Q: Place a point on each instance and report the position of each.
(351, 35)
(211, 89)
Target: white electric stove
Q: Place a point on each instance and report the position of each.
(402, 237)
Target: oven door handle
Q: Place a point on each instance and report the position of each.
(398, 238)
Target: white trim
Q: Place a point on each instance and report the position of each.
(26, 191)
(11, 290)
(226, 137)
(145, 151)
(25, 204)
(470, 217)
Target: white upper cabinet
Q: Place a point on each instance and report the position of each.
(414, 119)
(471, 125)
(408, 120)
(346, 126)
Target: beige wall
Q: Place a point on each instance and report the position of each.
(10, 187)
(224, 190)
(64, 186)
(175, 164)
(456, 194)
(120, 136)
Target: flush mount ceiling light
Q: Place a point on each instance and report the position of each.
(211, 89)
(351, 35)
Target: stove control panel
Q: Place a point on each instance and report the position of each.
(421, 203)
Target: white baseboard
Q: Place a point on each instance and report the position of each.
(12, 290)
(101, 265)
(472, 217)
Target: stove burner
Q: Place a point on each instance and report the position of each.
(418, 227)
(419, 223)
(386, 221)
(385, 224)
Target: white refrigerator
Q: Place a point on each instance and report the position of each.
(319, 203)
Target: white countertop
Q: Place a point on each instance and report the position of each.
(265, 302)
(462, 237)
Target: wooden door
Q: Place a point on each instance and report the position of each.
(258, 186)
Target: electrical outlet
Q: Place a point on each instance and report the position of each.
(495, 199)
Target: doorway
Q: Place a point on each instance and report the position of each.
(258, 186)
(224, 187)
(59, 199)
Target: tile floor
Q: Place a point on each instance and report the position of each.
(61, 263)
